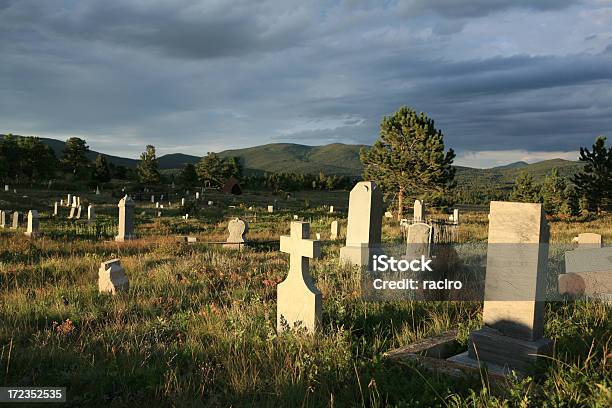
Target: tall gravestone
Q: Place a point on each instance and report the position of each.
(126, 219)
(364, 228)
(16, 220)
(33, 224)
(237, 229)
(91, 213)
(334, 230)
(55, 209)
(69, 200)
(419, 211)
(79, 209)
(299, 301)
(515, 285)
(72, 213)
(2, 219)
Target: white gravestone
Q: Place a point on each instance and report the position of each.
(91, 213)
(334, 230)
(237, 229)
(2, 219)
(78, 214)
(364, 228)
(419, 211)
(33, 223)
(112, 277)
(331, 209)
(270, 208)
(126, 219)
(16, 220)
(299, 302)
(55, 211)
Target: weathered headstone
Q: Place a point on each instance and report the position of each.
(16, 220)
(2, 219)
(62, 202)
(331, 208)
(455, 217)
(91, 213)
(126, 219)
(33, 224)
(299, 303)
(364, 228)
(112, 277)
(588, 272)
(515, 284)
(419, 240)
(588, 240)
(295, 217)
(270, 208)
(237, 229)
(334, 230)
(419, 211)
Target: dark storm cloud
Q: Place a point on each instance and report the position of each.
(197, 76)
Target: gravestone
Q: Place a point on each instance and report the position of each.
(62, 202)
(72, 213)
(78, 201)
(295, 217)
(78, 214)
(74, 201)
(388, 214)
(97, 190)
(515, 284)
(364, 224)
(270, 208)
(331, 209)
(197, 195)
(334, 230)
(299, 303)
(152, 198)
(588, 240)
(55, 212)
(588, 272)
(112, 277)
(126, 220)
(159, 214)
(182, 202)
(2, 219)
(237, 234)
(33, 224)
(6, 187)
(69, 200)
(91, 213)
(16, 220)
(419, 240)
(454, 217)
(157, 204)
(210, 203)
(419, 211)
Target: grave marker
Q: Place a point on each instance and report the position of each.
(126, 220)
(419, 211)
(112, 277)
(16, 220)
(33, 224)
(334, 230)
(2, 219)
(237, 229)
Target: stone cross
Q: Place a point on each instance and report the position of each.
(91, 213)
(2, 219)
(334, 230)
(419, 211)
(237, 229)
(364, 224)
(126, 219)
(299, 301)
(16, 217)
(270, 208)
(112, 277)
(515, 286)
(32, 230)
(588, 240)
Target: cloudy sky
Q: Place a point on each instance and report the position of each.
(505, 80)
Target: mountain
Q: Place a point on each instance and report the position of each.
(515, 165)
(58, 148)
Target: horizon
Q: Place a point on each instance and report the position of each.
(505, 81)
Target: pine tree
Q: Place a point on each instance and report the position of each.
(189, 177)
(408, 159)
(101, 171)
(594, 181)
(525, 190)
(75, 154)
(570, 206)
(148, 172)
(553, 192)
(214, 170)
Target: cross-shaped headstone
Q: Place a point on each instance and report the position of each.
(299, 300)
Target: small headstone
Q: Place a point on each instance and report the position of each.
(2, 219)
(182, 202)
(334, 230)
(157, 204)
(159, 214)
(419, 211)
(318, 235)
(515, 284)
(418, 240)
(74, 201)
(331, 209)
(78, 214)
(152, 198)
(588, 240)
(270, 208)
(16, 220)
(55, 205)
(78, 201)
(126, 219)
(197, 195)
(192, 240)
(210, 203)
(62, 202)
(72, 213)
(33, 224)
(161, 206)
(295, 217)
(6, 187)
(112, 277)
(69, 200)
(388, 214)
(91, 213)
(299, 303)
(364, 224)
(97, 190)
(186, 217)
(237, 229)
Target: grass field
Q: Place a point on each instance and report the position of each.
(197, 326)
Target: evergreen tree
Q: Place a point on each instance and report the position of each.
(148, 172)
(75, 155)
(570, 206)
(594, 181)
(409, 158)
(189, 176)
(101, 172)
(553, 192)
(215, 171)
(525, 190)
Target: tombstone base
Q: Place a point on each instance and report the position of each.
(120, 238)
(491, 347)
(357, 255)
(239, 246)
